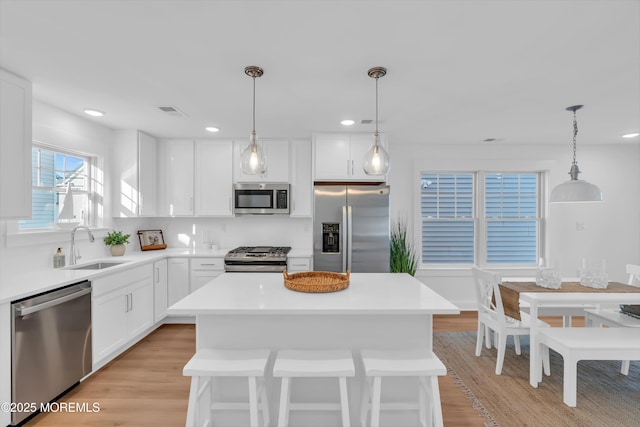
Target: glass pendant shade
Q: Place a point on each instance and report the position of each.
(376, 161)
(253, 161)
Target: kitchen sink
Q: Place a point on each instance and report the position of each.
(96, 265)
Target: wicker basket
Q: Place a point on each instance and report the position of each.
(316, 281)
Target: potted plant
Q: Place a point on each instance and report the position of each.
(116, 241)
(403, 257)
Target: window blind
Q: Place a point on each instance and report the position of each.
(511, 214)
(447, 218)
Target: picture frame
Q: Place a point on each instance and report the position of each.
(151, 240)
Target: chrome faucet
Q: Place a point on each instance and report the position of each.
(73, 257)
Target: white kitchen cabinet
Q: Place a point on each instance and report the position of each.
(277, 154)
(160, 290)
(213, 178)
(15, 147)
(147, 174)
(204, 270)
(178, 280)
(301, 185)
(340, 157)
(122, 310)
(177, 172)
(298, 264)
(134, 170)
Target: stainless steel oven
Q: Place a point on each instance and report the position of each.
(50, 346)
(256, 259)
(260, 198)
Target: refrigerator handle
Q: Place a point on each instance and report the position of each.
(345, 247)
(350, 235)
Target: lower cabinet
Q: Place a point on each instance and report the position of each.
(122, 309)
(298, 264)
(204, 270)
(160, 290)
(178, 280)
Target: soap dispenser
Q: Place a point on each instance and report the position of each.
(58, 259)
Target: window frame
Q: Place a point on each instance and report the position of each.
(89, 218)
(482, 222)
(485, 166)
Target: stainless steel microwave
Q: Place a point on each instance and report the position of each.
(260, 199)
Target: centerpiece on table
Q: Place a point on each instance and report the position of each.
(117, 241)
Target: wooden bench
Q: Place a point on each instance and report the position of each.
(575, 344)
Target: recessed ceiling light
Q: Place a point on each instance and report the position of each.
(211, 129)
(93, 112)
(347, 122)
(630, 135)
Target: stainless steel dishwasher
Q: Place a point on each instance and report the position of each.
(50, 346)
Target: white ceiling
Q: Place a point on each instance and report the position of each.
(458, 71)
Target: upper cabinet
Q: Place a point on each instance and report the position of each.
(301, 185)
(196, 178)
(340, 157)
(277, 154)
(135, 174)
(15, 147)
(177, 172)
(213, 186)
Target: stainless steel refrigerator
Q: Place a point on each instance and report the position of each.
(351, 228)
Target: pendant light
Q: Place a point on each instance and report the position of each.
(575, 190)
(376, 161)
(253, 160)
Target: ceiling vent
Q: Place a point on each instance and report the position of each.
(366, 122)
(171, 110)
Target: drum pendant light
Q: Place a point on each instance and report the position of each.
(575, 190)
(376, 161)
(253, 160)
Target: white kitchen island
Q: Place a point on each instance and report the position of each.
(255, 310)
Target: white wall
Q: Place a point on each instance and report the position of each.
(226, 233)
(612, 228)
(61, 129)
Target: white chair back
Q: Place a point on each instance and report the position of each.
(488, 296)
(634, 274)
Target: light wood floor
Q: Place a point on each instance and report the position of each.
(145, 387)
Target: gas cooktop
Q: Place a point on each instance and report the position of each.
(259, 252)
(257, 258)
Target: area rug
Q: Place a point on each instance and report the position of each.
(605, 397)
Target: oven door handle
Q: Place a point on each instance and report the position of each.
(52, 303)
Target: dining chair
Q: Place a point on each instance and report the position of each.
(612, 317)
(491, 317)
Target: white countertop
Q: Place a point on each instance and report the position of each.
(17, 286)
(265, 293)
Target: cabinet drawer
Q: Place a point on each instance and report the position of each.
(111, 282)
(214, 264)
(298, 264)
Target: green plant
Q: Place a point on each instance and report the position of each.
(116, 238)
(403, 257)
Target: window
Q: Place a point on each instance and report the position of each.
(53, 172)
(511, 218)
(480, 218)
(447, 219)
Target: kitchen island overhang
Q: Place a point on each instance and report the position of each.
(377, 311)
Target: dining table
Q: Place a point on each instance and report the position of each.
(571, 293)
